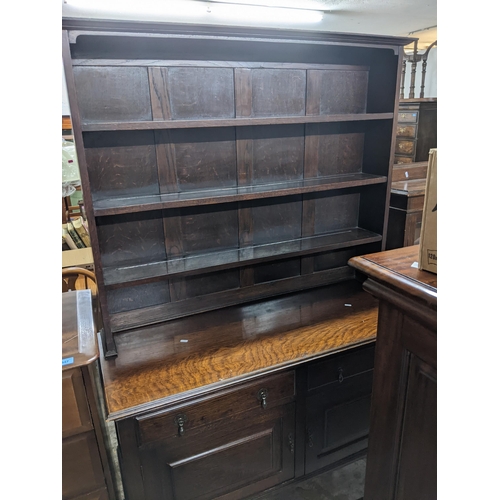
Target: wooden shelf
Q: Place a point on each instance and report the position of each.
(216, 182)
(230, 122)
(116, 206)
(236, 257)
(209, 302)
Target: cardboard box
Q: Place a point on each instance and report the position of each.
(428, 238)
(82, 257)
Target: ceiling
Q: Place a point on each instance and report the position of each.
(417, 18)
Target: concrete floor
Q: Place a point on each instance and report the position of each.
(344, 483)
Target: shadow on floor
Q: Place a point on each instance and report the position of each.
(344, 483)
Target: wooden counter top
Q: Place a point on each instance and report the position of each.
(394, 267)
(175, 361)
(416, 289)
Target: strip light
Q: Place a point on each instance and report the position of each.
(204, 11)
(143, 7)
(252, 13)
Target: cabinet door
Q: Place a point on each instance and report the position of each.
(81, 466)
(338, 415)
(75, 409)
(418, 449)
(338, 422)
(227, 459)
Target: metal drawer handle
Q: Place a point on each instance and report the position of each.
(180, 420)
(341, 375)
(262, 397)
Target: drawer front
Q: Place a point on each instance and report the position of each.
(75, 410)
(406, 131)
(335, 369)
(405, 146)
(81, 466)
(266, 393)
(416, 203)
(407, 173)
(403, 159)
(252, 452)
(408, 117)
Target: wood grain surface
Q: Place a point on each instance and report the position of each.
(394, 269)
(179, 359)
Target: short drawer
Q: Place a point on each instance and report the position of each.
(268, 392)
(408, 117)
(406, 131)
(338, 367)
(405, 146)
(403, 159)
(75, 410)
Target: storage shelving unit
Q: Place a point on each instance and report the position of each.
(221, 166)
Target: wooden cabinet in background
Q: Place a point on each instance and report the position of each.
(85, 467)
(406, 204)
(416, 131)
(402, 451)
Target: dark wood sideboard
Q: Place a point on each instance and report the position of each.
(402, 449)
(229, 174)
(228, 405)
(86, 471)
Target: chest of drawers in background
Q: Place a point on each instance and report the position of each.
(416, 131)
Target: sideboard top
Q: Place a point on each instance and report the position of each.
(168, 363)
(396, 268)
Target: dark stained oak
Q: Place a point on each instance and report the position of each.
(116, 205)
(394, 267)
(231, 122)
(122, 164)
(209, 293)
(123, 93)
(248, 254)
(156, 365)
(223, 167)
(402, 451)
(230, 175)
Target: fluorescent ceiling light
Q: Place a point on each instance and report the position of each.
(204, 11)
(156, 7)
(291, 4)
(254, 13)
